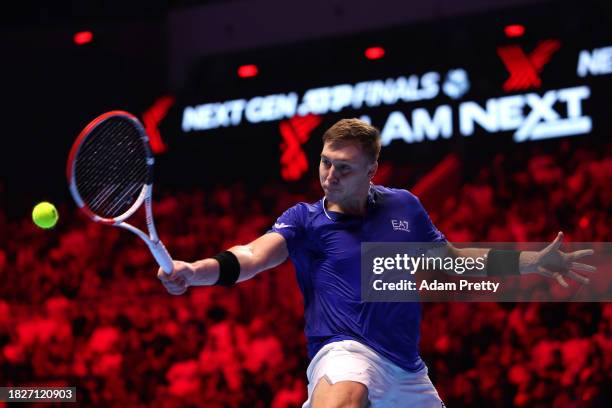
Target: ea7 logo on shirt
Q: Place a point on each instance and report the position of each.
(400, 225)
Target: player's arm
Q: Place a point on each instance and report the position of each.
(264, 253)
(550, 261)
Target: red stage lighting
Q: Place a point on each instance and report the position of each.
(373, 53)
(248, 71)
(514, 30)
(83, 37)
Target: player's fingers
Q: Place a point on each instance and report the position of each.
(168, 277)
(175, 288)
(560, 279)
(544, 272)
(175, 280)
(556, 244)
(175, 283)
(580, 254)
(553, 246)
(161, 275)
(583, 267)
(176, 292)
(553, 275)
(578, 278)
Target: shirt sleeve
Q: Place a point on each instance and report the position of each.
(428, 230)
(291, 225)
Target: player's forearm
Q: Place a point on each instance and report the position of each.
(264, 253)
(206, 271)
(528, 261)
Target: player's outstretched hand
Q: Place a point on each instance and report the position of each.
(179, 280)
(553, 263)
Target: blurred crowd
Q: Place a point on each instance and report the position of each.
(80, 304)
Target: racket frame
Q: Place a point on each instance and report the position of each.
(152, 239)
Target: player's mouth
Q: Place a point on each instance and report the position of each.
(332, 189)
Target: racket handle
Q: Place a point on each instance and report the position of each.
(162, 256)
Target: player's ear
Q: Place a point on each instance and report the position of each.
(372, 170)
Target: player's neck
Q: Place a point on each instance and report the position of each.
(352, 206)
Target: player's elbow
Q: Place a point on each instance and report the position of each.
(264, 253)
(245, 257)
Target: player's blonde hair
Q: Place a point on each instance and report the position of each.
(355, 131)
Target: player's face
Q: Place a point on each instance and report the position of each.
(345, 172)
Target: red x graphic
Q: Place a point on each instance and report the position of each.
(523, 68)
(295, 132)
(152, 118)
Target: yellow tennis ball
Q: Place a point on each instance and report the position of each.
(45, 215)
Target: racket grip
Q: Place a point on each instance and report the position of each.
(162, 256)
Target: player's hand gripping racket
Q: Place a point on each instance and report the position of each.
(110, 174)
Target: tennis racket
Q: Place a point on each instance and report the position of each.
(110, 175)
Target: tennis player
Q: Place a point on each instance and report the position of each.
(362, 353)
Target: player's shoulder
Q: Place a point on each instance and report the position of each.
(305, 212)
(305, 208)
(395, 195)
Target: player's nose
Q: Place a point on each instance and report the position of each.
(332, 174)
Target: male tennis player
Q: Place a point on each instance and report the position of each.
(362, 352)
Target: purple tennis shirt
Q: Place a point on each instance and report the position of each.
(325, 248)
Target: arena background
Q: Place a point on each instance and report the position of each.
(80, 304)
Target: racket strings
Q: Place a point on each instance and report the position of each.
(105, 173)
(108, 197)
(91, 148)
(111, 167)
(108, 182)
(113, 196)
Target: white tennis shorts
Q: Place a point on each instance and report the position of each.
(388, 385)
